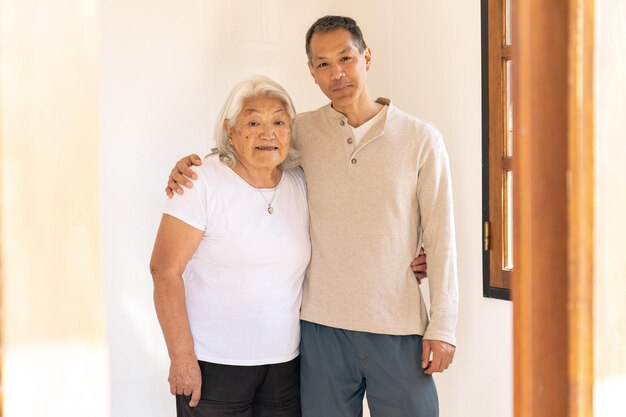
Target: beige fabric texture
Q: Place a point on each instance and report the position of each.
(371, 206)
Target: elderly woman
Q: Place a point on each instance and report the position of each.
(228, 265)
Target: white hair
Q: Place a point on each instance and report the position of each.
(257, 86)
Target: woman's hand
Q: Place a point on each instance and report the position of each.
(419, 266)
(185, 377)
(181, 174)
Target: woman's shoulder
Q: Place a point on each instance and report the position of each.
(212, 174)
(296, 175)
(211, 167)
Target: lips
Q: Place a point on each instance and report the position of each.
(340, 87)
(267, 148)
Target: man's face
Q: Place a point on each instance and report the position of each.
(338, 67)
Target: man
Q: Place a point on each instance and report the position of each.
(378, 185)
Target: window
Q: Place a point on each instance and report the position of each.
(498, 136)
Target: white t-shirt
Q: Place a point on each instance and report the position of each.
(243, 285)
(360, 132)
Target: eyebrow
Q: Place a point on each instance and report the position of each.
(253, 110)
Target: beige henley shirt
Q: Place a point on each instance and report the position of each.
(370, 207)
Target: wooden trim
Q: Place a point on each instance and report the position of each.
(499, 293)
(540, 70)
(507, 163)
(495, 138)
(553, 160)
(581, 212)
(496, 142)
(507, 277)
(484, 34)
(507, 52)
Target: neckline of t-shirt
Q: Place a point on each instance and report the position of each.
(371, 122)
(244, 182)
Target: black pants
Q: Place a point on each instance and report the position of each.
(246, 391)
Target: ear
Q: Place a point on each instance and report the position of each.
(367, 54)
(312, 72)
(227, 127)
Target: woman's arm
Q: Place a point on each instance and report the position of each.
(175, 243)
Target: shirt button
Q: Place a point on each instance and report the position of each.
(350, 140)
(353, 160)
(342, 123)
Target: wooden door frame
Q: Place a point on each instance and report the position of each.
(553, 156)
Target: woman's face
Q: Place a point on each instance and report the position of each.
(261, 133)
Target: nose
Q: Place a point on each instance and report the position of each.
(268, 132)
(337, 72)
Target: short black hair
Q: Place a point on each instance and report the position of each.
(328, 23)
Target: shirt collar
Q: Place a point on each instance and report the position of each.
(335, 115)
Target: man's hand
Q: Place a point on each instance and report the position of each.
(181, 174)
(442, 355)
(185, 378)
(419, 266)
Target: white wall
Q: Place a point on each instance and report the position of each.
(167, 67)
(436, 73)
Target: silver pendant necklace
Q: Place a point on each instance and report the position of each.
(270, 209)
